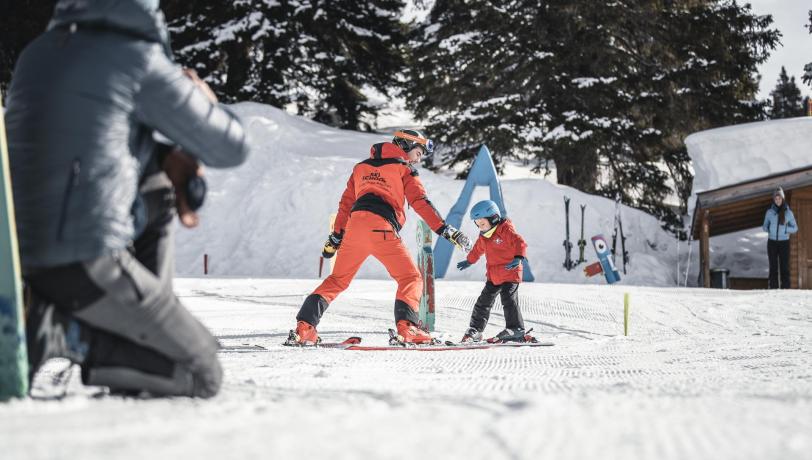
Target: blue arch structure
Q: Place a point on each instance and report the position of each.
(483, 172)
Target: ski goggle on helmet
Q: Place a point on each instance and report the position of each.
(408, 139)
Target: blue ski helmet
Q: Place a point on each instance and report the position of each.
(485, 209)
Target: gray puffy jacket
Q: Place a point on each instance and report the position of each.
(85, 99)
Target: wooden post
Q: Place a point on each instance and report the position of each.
(205, 264)
(704, 248)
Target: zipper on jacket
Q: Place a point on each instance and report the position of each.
(73, 181)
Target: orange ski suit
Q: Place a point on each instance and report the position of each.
(370, 215)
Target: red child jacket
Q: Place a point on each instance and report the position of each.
(380, 185)
(500, 249)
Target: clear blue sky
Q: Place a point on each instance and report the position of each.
(790, 17)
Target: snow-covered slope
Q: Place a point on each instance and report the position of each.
(270, 216)
(704, 374)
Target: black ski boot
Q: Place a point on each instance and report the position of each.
(51, 334)
(509, 335)
(472, 335)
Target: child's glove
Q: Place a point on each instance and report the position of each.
(332, 244)
(513, 265)
(463, 265)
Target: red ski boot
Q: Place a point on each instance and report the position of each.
(409, 333)
(305, 334)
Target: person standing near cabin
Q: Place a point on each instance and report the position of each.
(779, 223)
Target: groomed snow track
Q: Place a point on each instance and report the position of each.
(703, 374)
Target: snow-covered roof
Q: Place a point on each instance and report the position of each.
(734, 154)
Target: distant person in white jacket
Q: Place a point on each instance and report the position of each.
(779, 223)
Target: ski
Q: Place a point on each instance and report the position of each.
(448, 346)
(618, 231)
(614, 232)
(568, 263)
(397, 344)
(623, 244)
(291, 342)
(483, 345)
(243, 348)
(582, 241)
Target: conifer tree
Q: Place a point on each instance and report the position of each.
(322, 57)
(605, 92)
(786, 98)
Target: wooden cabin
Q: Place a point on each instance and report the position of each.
(742, 206)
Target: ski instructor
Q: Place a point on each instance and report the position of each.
(95, 196)
(370, 216)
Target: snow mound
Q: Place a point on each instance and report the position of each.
(270, 216)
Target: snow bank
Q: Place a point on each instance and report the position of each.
(270, 216)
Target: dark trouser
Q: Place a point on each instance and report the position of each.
(510, 304)
(778, 253)
(141, 337)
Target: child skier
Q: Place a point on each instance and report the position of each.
(504, 251)
(370, 216)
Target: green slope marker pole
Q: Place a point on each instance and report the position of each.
(625, 313)
(13, 356)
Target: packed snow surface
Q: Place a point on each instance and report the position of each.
(703, 374)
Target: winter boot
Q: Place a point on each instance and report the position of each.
(409, 333)
(509, 335)
(52, 334)
(305, 334)
(472, 335)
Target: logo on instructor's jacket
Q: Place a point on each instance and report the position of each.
(498, 240)
(375, 176)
